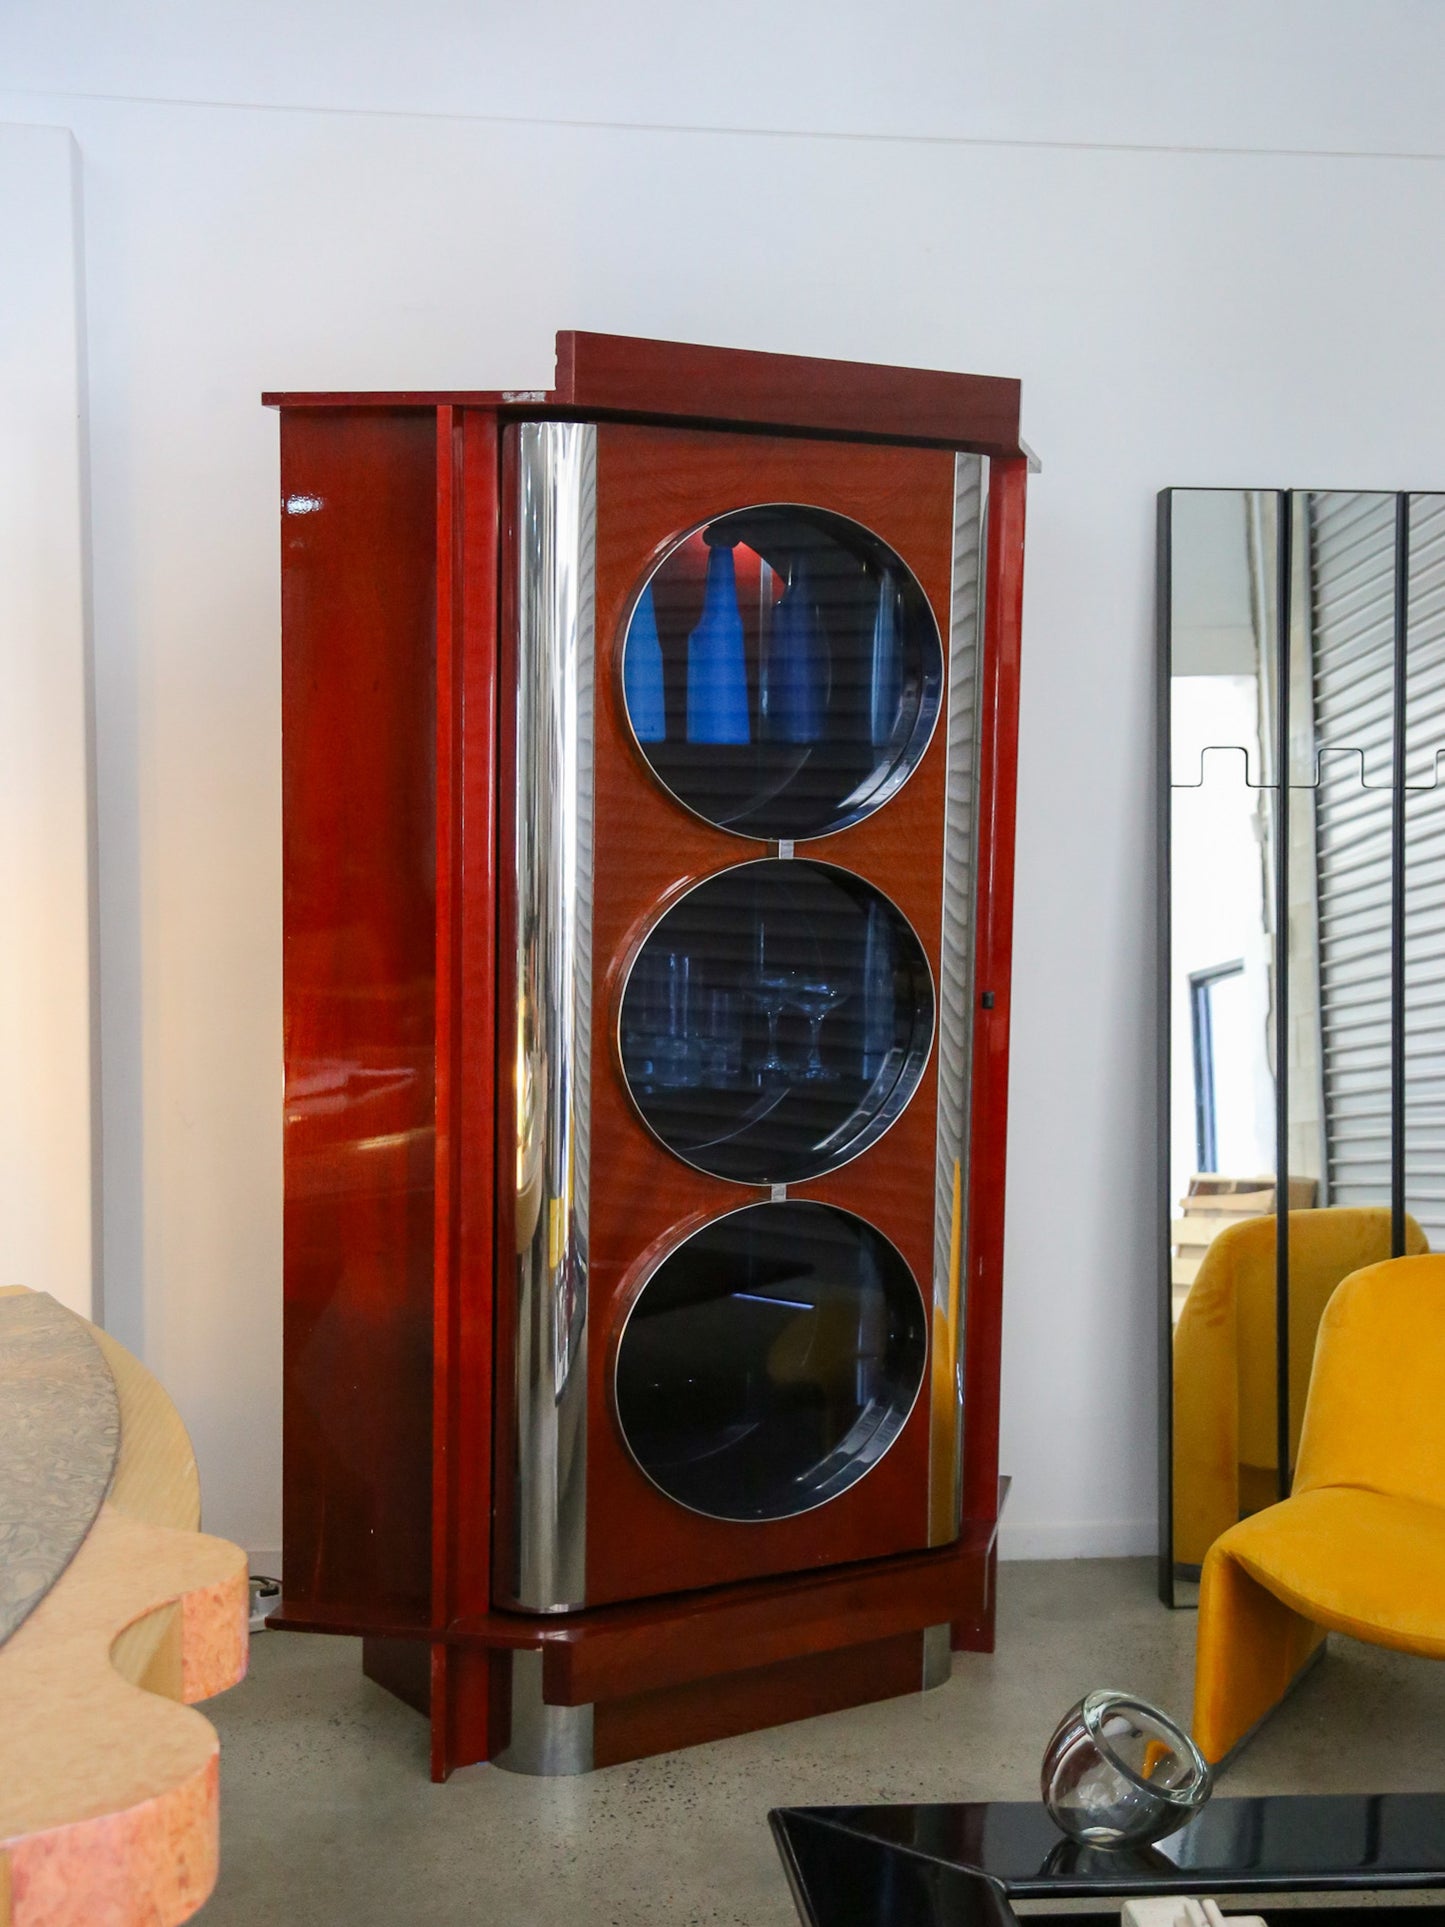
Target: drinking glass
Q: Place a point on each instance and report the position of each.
(815, 999)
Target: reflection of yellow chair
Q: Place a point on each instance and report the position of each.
(1225, 1453)
(1360, 1545)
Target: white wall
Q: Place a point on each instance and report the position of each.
(1186, 299)
(48, 1147)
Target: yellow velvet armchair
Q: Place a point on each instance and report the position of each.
(1359, 1546)
(1225, 1453)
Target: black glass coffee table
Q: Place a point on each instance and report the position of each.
(986, 1864)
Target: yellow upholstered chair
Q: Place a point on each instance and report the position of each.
(1359, 1546)
(1225, 1452)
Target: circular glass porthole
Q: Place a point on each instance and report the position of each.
(770, 1360)
(782, 672)
(776, 1020)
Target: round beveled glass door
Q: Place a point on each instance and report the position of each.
(782, 672)
(770, 1360)
(776, 1020)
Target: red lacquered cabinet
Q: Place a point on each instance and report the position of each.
(649, 750)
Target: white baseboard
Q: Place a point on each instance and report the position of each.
(1086, 1539)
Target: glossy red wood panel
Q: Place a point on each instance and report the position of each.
(665, 1718)
(358, 732)
(402, 1666)
(463, 1696)
(693, 1635)
(450, 978)
(653, 484)
(735, 385)
(698, 1636)
(626, 376)
(703, 1647)
(973, 1631)
(988, 1143)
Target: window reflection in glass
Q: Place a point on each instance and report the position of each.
(770, 1360)
(782, 672)
(776, 1020)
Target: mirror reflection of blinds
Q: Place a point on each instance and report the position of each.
(1425, 872)
(1351, 584)
(956, 1001)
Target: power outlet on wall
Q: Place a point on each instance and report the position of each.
(265, 1596)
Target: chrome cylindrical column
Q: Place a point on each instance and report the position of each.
(543, 1567)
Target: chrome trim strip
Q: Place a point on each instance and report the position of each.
(553, 1740)
(556, 534)
(956, 999)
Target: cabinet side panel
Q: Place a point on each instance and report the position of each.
(359, 806)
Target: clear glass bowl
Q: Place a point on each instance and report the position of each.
(1119, 1773)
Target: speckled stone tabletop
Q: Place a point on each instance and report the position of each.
(59, 1436)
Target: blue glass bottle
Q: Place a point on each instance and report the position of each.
(642, 682)
(793, 682)
(717, 670)
(885, 692)
(878, 993)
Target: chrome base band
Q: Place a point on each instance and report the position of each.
(937, 1656)
(553, 1740)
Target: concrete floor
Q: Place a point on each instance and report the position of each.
(327, 1815)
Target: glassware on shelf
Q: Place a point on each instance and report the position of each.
(660, 1039)
(772, 992)
(778, 991)
(815, 999)
(643, 686)
(767, 1084)
(717, 670)
(794, 673)
(722, 1040)
(885, 690)
(1119, 1773)
(774, 997)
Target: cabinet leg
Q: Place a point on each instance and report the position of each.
(401, 1666)
(470, 1710)
(974, 1633)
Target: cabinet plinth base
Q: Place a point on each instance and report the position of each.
(563, 1695)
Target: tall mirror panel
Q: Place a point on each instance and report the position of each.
(1341, 804)
(1306, 972)
(1224, 549)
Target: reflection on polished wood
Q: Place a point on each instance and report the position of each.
(358, 739)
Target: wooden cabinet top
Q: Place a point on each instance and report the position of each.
(609, 376)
